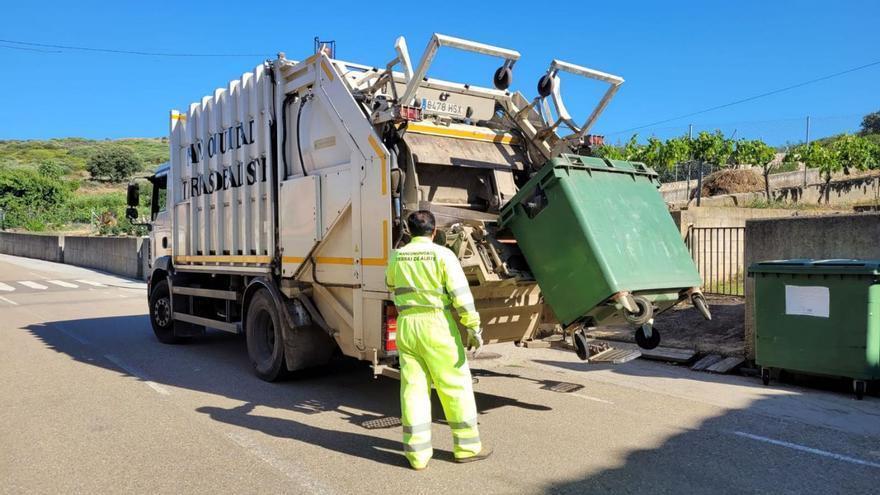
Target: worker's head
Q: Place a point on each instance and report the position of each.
(421, 223)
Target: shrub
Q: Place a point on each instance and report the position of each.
(113, 163)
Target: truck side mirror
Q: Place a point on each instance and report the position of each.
(133, 195)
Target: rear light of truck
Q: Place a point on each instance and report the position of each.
(404, 113)
(390, 328)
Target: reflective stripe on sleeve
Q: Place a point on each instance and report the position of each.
(467, 308)
(460, 291)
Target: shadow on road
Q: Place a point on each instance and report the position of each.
(218, 364)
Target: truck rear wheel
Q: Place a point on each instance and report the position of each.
(161, 318)
(265, 339)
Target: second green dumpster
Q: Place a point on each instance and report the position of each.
(819, 317)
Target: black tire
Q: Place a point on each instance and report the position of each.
(545, 86)
(644, 313)
(646, 342)
(265, 339)
(502, 78)
(580, 344)
(160, 314)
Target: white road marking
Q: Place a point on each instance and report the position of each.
(594, 399)
(10, 301)
(6, 288)
(62, 283)
(33, 285)
(136, 373)
(802, 448)
(96, 284)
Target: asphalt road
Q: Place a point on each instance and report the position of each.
(90, 402)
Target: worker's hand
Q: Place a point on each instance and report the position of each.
(475, 340)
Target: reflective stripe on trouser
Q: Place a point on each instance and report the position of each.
(430, 351)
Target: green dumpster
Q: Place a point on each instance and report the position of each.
(600, 241)
(818, 317)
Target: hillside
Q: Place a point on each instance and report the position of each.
(45, 184)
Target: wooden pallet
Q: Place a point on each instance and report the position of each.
(669, 354)
(706, 361)
(615, 356)
(715, 363)
(725, 365)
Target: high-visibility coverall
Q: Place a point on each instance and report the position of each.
(427, 281)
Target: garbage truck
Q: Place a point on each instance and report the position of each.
(287, 190)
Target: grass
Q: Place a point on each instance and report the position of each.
(23, 174)
(782, 205)
(733, 286)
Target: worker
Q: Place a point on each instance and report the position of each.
(427, 280)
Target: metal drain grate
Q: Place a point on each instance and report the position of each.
(380, 423)
(562, 387)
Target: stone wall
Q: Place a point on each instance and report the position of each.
(43, 247)
(126, 256)
(119, 255)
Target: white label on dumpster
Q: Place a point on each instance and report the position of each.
(807, 301)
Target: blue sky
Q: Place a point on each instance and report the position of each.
(676, 57)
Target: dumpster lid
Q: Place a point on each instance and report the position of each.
(813, 266)
(587, 163)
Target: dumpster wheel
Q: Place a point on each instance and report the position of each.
(646, 341)
(643, 315)
(860, 387)
(580, 345)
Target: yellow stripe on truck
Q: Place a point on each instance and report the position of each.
(223, 259)
(491, 137)
(329, 260)
(378, 150)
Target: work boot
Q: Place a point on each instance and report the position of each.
(484, 454)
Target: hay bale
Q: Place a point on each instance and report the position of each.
(732, 181)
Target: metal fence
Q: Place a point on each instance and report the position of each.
(718, 254)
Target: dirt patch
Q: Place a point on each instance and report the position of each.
(732, 181)
(685, 328)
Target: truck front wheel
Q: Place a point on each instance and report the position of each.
(265, 341)
(161, 318)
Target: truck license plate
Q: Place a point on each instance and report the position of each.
(436, 106)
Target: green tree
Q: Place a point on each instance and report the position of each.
(853, 152)
(814, 155)
(673, 152)
(756, 152)
(712, 148)
(631, 151)
(113, 163)
(871, 124)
